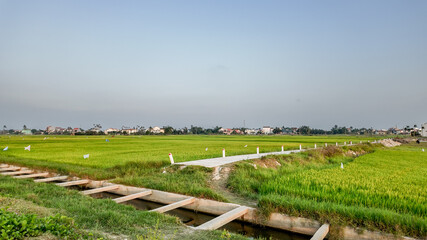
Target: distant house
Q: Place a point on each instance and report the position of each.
(95, 129)
(267, 130)
(381, 132)
(50, 129)
(130, 131)
(157, 130)
(227, 131)
(111, 130)
(251, 131)
(424, 130)
(26, 132)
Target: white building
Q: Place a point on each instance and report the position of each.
(424, 130)
(111, 130)
(130, 131)
(267, 130)
(157, 130)
(251, 131)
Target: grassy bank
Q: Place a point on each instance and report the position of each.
(383, 190)
(90, 218)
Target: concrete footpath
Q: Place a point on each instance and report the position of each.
(216, 162)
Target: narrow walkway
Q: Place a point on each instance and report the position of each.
(216, 162)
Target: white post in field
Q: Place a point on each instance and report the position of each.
(326, 144)
(223, 152)
(351, 142)
(315, 146)
(282, 148)
(360, 141)
(345, 143)
(336, 144)
(257, 150)
(171, 158)
(300, 147)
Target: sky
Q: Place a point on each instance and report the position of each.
(208, 63)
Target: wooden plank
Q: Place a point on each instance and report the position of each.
(73, 183)
(321, 232)
(33, 175)
(9, 169)
(101, 189)
(174, 205)
(132, 196)
(4, 165)
(51, 179)
(224, 219)
(17, 173)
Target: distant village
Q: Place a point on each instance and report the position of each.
(265, 130)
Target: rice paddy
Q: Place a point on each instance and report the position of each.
(383, 190)
(119, 150)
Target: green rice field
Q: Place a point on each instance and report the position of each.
(122, 149)
(385, 190)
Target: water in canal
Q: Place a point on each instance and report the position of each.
(192, 218)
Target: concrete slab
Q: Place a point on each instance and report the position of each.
(51, 179)
(174, 205)
(73, 183)
(101, 189)
(17, 173)
(216, 162)
(224, 219)
(132, 196)
(33, 175)
(9, 169)
(321, 232)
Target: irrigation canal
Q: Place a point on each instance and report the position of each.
(196, 213)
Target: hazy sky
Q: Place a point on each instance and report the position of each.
(207, 63)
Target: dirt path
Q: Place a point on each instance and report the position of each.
(219, 184)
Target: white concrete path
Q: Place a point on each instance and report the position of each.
(216, 162)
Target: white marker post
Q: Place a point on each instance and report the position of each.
(345, 143)
(360, 141)
(283, 149)
(326, 144)
(257, 150)
(336, 144)
(300, 147)
(315, 146)
(351, 142)
(223, 152)
(171, 158)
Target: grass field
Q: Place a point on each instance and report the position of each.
(123, 149)
(383, 190)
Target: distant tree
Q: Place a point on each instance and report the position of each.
(304, 130)
(185, 130)
(33, 131)
(277, 130)
(168, 130)
(216, 129)
(25, 127)
(4, 129)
